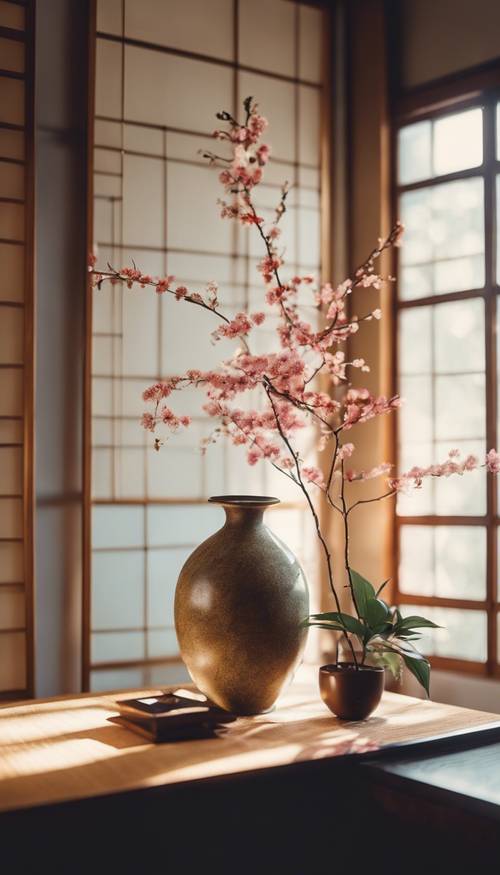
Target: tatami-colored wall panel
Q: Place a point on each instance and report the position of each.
(267, 35)
(11, 144)
(12, 661)
(183, 24)
(12, 98)
(12, 15)
(12, 54)
(16, 349)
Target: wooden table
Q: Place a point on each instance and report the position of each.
(274, 791)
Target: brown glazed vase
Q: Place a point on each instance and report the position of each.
(239, 602)
(349, 693)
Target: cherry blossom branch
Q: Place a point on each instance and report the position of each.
(130, 276)
(300, 405)
(333, 462)
(364, 274)
(319, 533)
(370, 500)
(267, 243)
(257, 221)
(315, 372)
(346, 536)
(392, 239)
(144, 280)
(255, 442)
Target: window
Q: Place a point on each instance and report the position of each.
(162, 71)
(448, 172)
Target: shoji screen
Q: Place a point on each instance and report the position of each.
(163, 68)
(16, 349)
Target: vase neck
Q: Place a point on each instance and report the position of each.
(244, 510)
(245, 517)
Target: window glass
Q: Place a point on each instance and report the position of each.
(444, 145)
(443, 561)
(462, 634)
(441, 363)
(443, 245)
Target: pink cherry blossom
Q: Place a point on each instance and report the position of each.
(313, 475)
(452, 465)
(171, 420)
(263, 153)
(156, 392)
(238, 327)
(258, 318)
(361, 405)
(346, 451)
(274, 233)
(251, 219)
(493, 462)
(268, 265)
(377, 471)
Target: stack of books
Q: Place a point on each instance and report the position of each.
(172, 716)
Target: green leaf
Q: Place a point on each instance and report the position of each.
(330, 627)
(327, 615)
(344, 621)
(353, 625)
(420, 669)
(376, 612)
(407, 635)
(383, 631)
(417, 623)
(382, 586)
(363, 592)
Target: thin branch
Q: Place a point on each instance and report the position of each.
(301, 405)
(315, 373)
(333, 463)
(319, 533)
(366, 267)
(370, 500)
(346, 537)
(269, 251)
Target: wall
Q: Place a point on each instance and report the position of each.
(60, 148)
(468, 691)
(441, 37)
(369, 218)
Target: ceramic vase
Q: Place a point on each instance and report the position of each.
(239, 603)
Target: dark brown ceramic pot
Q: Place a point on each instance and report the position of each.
(350, 693)
(239, 602)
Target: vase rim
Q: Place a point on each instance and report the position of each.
(244, 500)
(339, 667)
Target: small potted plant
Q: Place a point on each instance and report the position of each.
(291, 399)
(352, 690)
